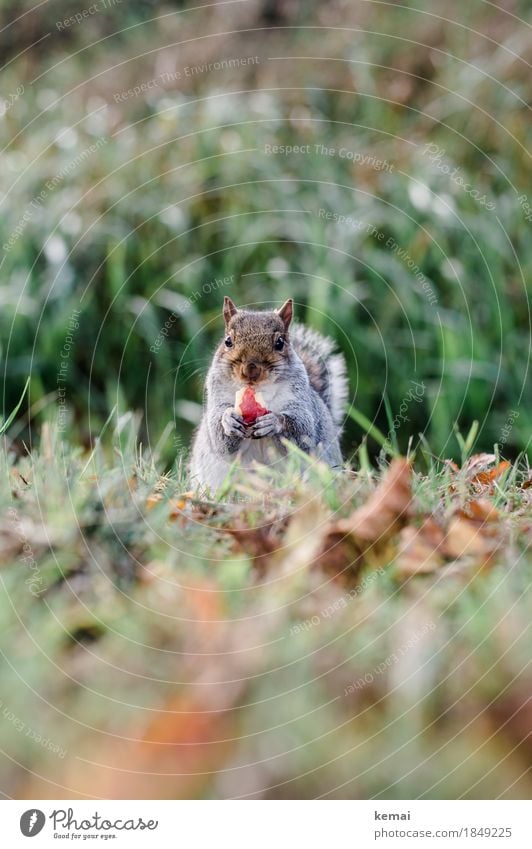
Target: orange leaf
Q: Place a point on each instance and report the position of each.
(488, 477)
(479, 463)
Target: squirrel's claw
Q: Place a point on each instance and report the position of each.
(233, 424)
(270, 424)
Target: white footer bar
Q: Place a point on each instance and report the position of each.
(268, 824)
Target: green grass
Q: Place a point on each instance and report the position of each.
(4, 426)
(181, 193)
(116, 616)
(199, 646)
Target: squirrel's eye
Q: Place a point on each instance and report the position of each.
(229, 342)
(279, 343)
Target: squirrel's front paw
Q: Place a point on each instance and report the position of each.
(270, 424)
(233, 424)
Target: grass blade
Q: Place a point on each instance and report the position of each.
(372, 430)
(10, 419)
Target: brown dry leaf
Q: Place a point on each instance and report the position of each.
(259, 542)
(385, 510)
(302, 542)
(432, 532)
(452, 466)
(479, 463)
(481, 510)
(487, 478)
(478, 472)
(468, 538)
(420, 550)
(370, 527)
(472, 532)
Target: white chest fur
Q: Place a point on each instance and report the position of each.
(258, 451)
(275, 395)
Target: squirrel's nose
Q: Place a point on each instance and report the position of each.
(251, 371)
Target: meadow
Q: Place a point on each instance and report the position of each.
(139, 184)
(352, 634)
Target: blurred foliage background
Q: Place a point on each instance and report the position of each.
(140, 207)
(159, 646)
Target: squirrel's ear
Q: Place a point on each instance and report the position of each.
(286, 312)
(229, 309)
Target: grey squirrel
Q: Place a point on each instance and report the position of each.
(302, 385)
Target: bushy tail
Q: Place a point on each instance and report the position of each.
(325, 368)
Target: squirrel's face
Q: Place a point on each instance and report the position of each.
(256, 346)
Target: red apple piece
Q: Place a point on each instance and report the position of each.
(249, 404)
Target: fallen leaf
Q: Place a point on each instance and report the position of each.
(259, 542)
(385, 510)
(451, 465)
(479, 463)
(370, 527)
(478, 472)
(481, 510)
(465, 537)
(488, 477)
(416, 555)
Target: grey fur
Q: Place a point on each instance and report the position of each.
(305, 392)
(320, 350)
